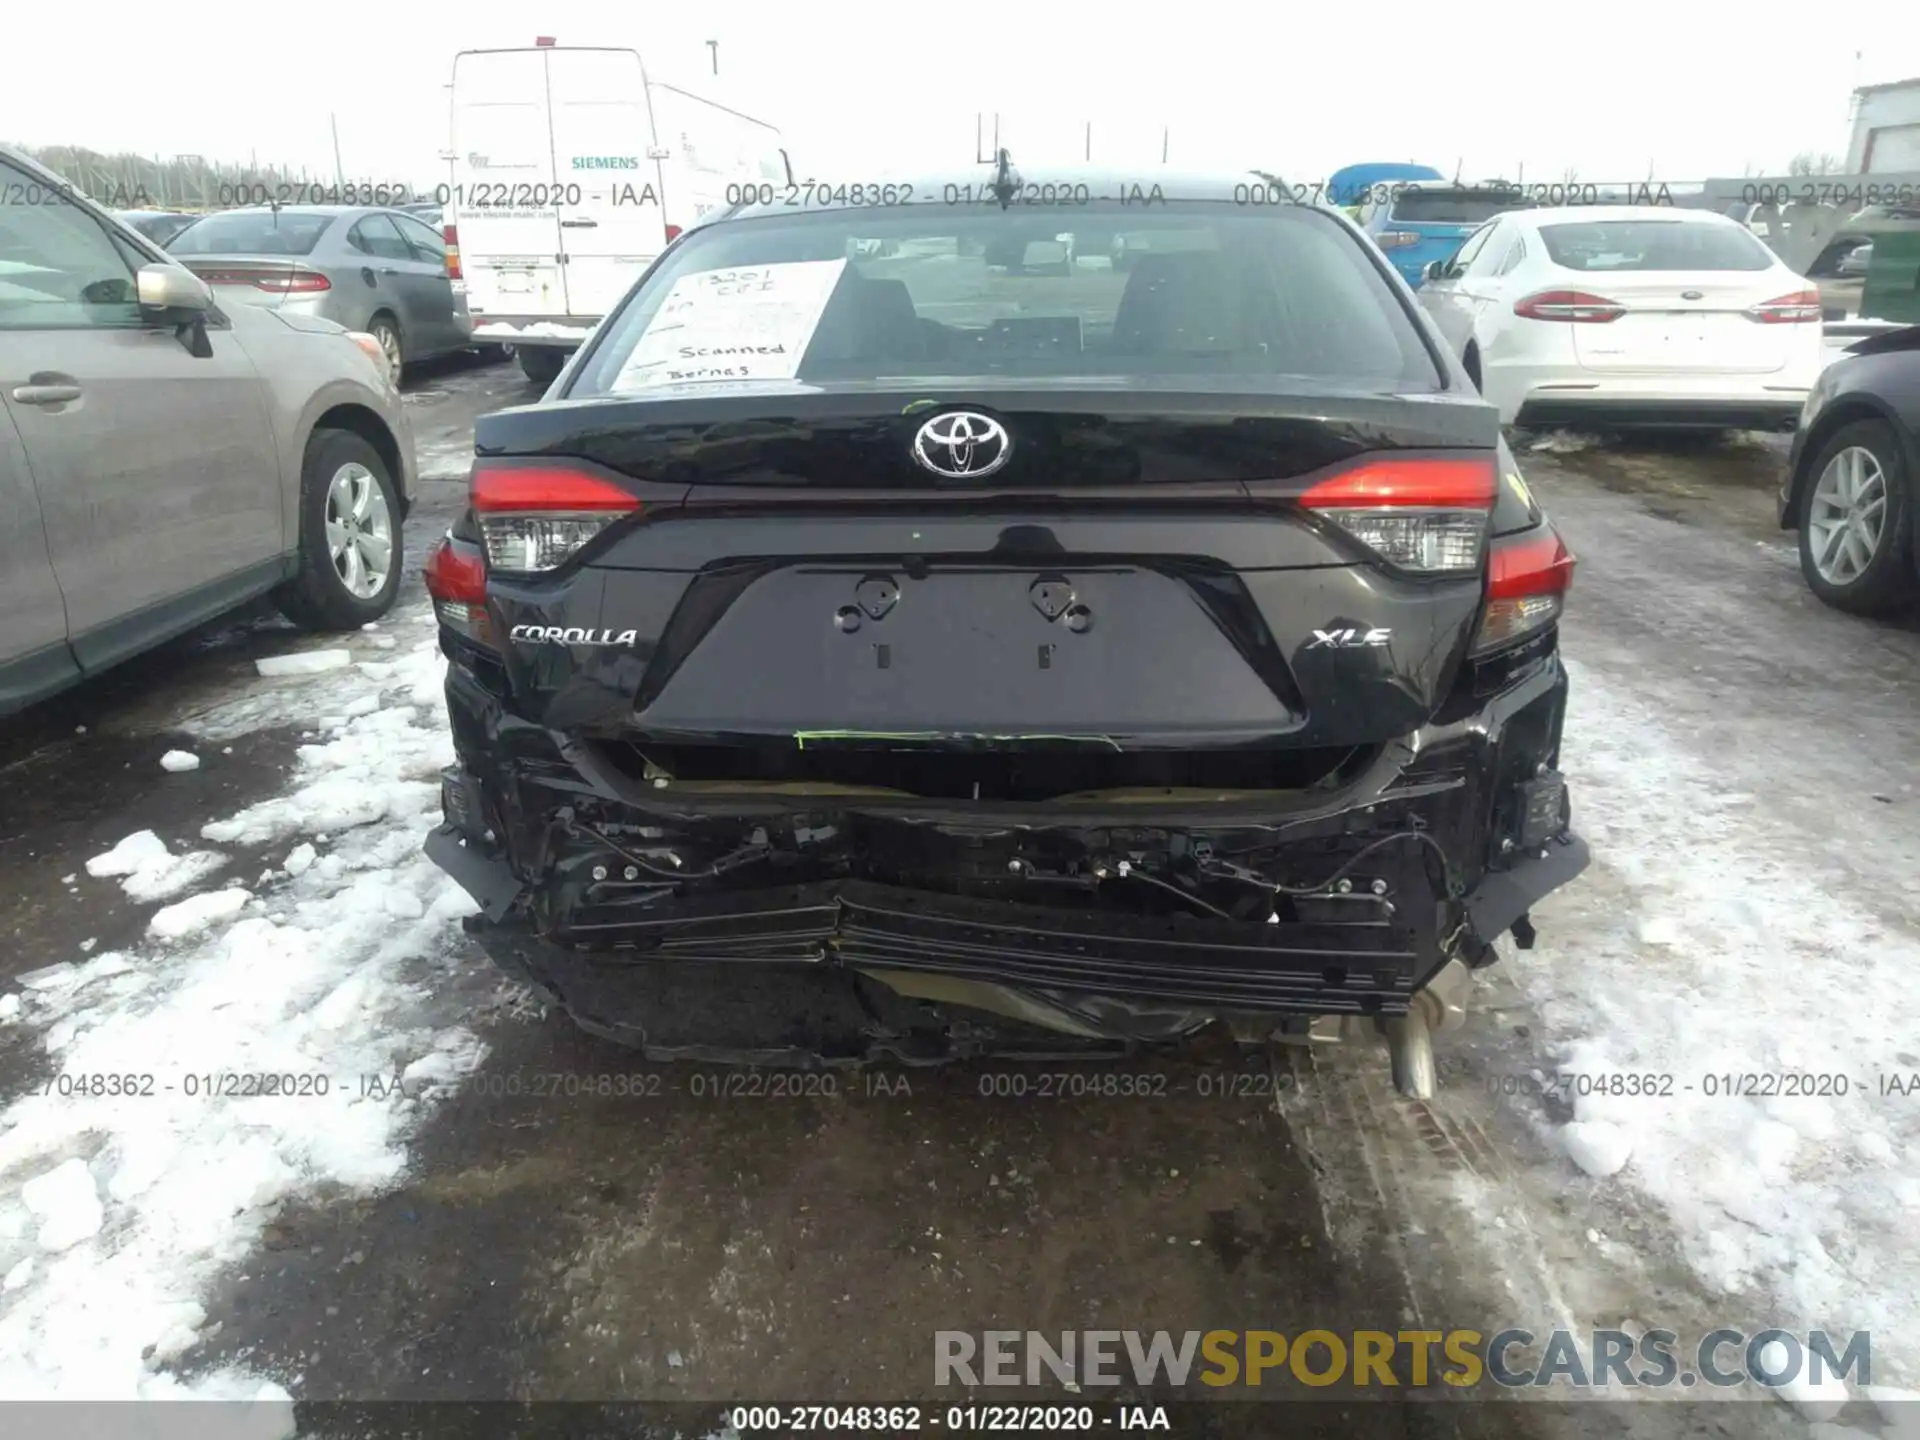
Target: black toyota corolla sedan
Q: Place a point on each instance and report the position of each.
(866, 653)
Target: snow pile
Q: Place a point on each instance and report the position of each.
(1563, 442)
(117, 1210)
(1597, 1147)
(1713, 943)
(176, 761)
(66, 1205)
(147, 871)
(197, 912)
(304, 662)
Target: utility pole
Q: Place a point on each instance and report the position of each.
(1853, 105)
(713, 49)
(339, 170)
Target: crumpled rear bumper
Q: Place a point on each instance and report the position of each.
(785, 925)
(843, 972)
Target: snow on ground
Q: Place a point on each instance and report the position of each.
(303, 662)
(1710, 940)
(148, 871)
(117, 1210)
(179, 760)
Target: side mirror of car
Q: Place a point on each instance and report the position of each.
(172, 293)
(1435, 270)
(173, 298)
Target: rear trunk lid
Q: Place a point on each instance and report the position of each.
(273, 282)
(1677, 322)
(796, 575)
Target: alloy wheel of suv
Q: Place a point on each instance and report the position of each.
(350, 536)
(359, 530)
(1857, 523)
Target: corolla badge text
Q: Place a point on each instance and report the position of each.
(1349, 639)
(570, 635)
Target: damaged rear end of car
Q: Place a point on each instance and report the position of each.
(1004, 665)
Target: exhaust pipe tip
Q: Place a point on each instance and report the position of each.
(1410, 1051)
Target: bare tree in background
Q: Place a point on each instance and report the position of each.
(1824, 162)
(125, 181)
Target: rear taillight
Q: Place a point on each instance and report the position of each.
(673, 233)
(1574, 307)
(534, 517)
(1802, 307)
(1425, 515)
(300, 282)
(1396, 239)
(451, 234)
(457, 580)
(1527, 580)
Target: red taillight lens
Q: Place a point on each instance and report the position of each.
(301, 283)
(673, 233)
(456, 578)
(534, 517)
(1802, 307)
(1574, 307)
(1528, 576)
(1426, 515)
(451, 234)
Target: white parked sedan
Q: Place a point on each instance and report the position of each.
(1628, 315)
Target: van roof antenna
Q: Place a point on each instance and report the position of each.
(1006, 181)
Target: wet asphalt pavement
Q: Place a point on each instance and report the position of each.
(698, 1243)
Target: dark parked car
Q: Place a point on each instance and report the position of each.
(159, 226)
(1853, 480)
(920, 662)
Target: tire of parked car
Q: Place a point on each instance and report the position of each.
(541, 363)
(1866, 458)
(346, 495)
(386, 330)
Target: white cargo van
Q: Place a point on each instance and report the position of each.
(571, 172)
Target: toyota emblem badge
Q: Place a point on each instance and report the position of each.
(962, 445)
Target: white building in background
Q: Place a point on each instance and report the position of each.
(1886, 129)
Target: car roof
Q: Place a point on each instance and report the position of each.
(329, 211)
(1101, 182)
(1573, 214)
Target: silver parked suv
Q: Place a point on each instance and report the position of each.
(164, 458)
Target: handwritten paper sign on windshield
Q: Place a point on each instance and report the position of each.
(750, 323)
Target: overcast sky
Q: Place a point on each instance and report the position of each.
(860, 89)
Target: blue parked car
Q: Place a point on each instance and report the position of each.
(1429, 220)
(1350, 185)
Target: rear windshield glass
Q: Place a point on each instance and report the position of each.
(1102, 292)
(1453, 207)
(1653, 245)
(251, 232)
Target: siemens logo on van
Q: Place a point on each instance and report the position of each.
(606, 162)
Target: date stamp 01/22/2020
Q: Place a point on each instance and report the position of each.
(700, 1084)
(1094, 1083)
